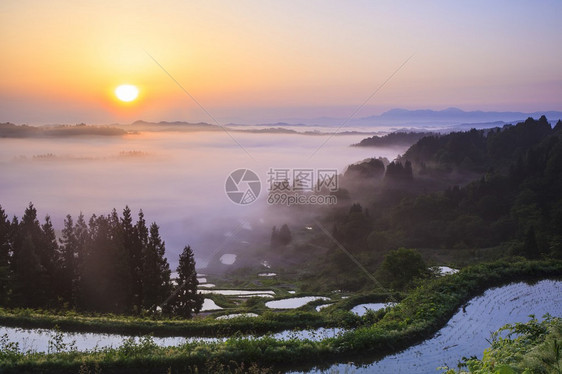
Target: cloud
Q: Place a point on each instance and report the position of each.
(177, 179)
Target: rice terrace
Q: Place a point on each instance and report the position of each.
(280, 187)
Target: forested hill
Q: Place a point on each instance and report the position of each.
(392, 139)
(513, 207)
(479, 150)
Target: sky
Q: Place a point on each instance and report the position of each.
(259, 61)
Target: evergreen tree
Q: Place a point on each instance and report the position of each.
(48, 252)
(356, 208)
(27, 259)
(69, 255)
(14, 238)
(372, 168)
(120, 264)
(396, 172)
(156, 271)
(94, 271)
(141, 244)
(28, 226)
(82, 235)
(5, 249)
(280, 237)
(274, 241)
(285, 236)
(134, 252)
(90, 266)
(103, 283)
(530, 247)
(187, 301)
(28, 272)
(408, 172)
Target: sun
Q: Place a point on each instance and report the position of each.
(126, 92)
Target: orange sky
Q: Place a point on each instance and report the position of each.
(251, 60)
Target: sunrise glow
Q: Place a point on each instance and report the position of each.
(256, 62)
(127, 92)
(187, 169)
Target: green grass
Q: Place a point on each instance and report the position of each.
(531, 347)
(421, 313)
(268, 321)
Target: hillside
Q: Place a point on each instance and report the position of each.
(393, 139)
(478, 150)
(513, 207)
(10, 130)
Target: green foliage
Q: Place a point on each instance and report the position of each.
(400, 267)
(515, 205)
(531, 347)
(398, 173)
(186, 301)
(420, 314)
(372, 169)
(56, 343)
(5, 236)
(155, 280)
(393, 139)
(478, 150)
(9, 351)
(281, 237)
(109, 264)
(519, 176)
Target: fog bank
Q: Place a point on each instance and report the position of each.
(178, 179)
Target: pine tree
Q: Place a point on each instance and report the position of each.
(28, 226)
(69, 255)
(5, 248)
(14, 242)
(187, 301)
(120, 263)
(27, 259)
(82, 235)
(274, 241)
(48, 252)
(104, 284)
(408, 172)
(530, 247)
(156, 271)
(28, 273)
(356, 208)
(285, 236)
(134, 253)
(397, 172)
(94, 271)
(141, 243)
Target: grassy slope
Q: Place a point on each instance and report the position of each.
(531, 347)
(419, 315)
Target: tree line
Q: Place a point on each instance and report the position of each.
(108, 264)
(516, 205)
(512, 208)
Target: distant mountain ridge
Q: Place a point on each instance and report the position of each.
(451, 116)
(440, 119)
(393, 120)
(448, 117)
